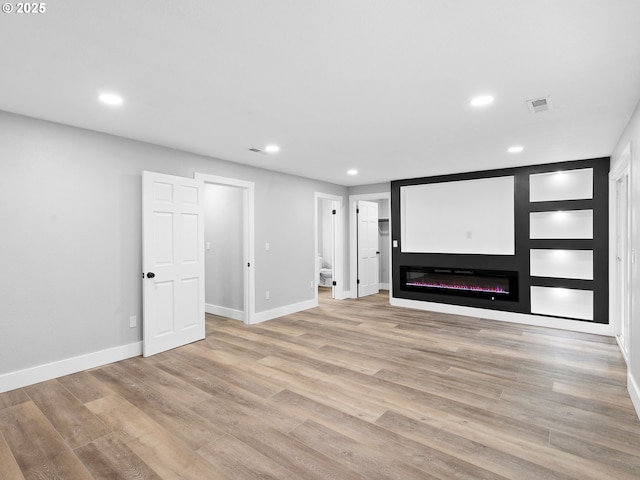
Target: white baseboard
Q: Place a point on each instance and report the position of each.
(384, 286)
(623, 351)
(514, 317)
(634, 392)
(281, 311)
(40, 373)
(224, 311)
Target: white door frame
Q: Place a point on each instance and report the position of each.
(622, 168)
(248, 207)
(338, 253)
(353, 239)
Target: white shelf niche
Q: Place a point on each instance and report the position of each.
(562, 185)
(562, 302)
(557, 263)
(561, 224)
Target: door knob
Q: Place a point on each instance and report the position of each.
(151, 275)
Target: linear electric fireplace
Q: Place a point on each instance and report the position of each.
(490, 284)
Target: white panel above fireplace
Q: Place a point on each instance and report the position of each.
(465, 217)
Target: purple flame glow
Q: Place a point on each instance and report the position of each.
(457, 286)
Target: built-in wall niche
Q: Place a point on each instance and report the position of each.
(557, 263)
(562, 302)
(561, 185)
(561, 224)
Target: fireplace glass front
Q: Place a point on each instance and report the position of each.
(491, 284)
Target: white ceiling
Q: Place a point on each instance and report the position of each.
(378, 85)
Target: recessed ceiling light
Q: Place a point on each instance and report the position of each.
(353, 171)
(515, 149)
(110, 99)
(482, 100)
(272, 149)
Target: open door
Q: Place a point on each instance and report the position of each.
(173, 261)
(368, 282)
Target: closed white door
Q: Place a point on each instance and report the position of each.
(173, 261)
(368, 250)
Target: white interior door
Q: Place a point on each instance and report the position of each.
(622, 260)
(368, 250)
(173, 261)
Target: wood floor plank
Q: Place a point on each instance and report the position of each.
(390, 445)
(241, 462)
(109, 457)
(13, 397)
(84, 387)
(293, 455)
(9, 468)
(475, 452)
(615, 395)
(178, 419)
(267, 348)
(158, 448)
(171, 386)
(231, 405)
(555, 412)
(621, 461)
(37, 447)
(438, 383)
(248, 381)
(393, 396)
(356, 456)
(77, 425)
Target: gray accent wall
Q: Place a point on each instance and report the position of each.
(70, 249)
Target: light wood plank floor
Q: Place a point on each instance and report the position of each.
(353, 389)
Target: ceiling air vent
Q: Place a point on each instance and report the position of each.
(538, 105)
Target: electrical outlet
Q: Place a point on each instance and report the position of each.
(312, 284)
(267, 295)
(133, 321)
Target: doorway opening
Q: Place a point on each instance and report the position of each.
(329, 246)
(360, 241)
(229, 247)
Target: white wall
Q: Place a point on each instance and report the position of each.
(631, 136)
(70, 202)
